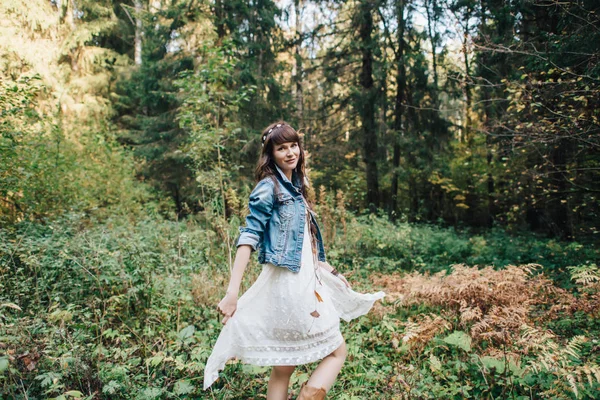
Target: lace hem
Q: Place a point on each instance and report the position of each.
(217, 363)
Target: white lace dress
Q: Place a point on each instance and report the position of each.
(275, 322)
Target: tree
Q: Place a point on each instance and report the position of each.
(399, 101)
(146, 100)
(366, 101)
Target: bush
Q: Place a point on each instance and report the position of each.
(96, 309)
(489, 338)
(373, 243)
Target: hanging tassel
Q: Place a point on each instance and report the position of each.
(319, 298)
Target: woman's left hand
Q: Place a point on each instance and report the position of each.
(327, 267)
(343, 278)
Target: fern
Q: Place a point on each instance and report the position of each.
(491, 304)
(585, 274)
(420, 331)
(561, 361)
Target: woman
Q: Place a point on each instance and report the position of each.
(290, 315)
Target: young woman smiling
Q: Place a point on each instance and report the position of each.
(291, 314)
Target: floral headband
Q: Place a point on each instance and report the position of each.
(264, 138)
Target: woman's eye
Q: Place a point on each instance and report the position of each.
(295, 145)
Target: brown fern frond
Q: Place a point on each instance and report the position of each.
(419, 332)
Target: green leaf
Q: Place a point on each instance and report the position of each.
(435, 363)
(186, 332)
(111, 387)
(459, 339)
(183, 387)
(3, 364)
(150, 394)
(254, 369)
(493, 363)
(154, 361)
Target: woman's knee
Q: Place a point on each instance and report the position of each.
(284, 369)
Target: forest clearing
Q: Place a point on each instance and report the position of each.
(452, 153)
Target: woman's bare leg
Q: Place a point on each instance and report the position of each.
(279, 382)
(328, 369)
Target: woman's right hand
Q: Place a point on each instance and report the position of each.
(227, 306)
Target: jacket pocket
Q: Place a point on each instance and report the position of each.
(285, 206)
(282, 235)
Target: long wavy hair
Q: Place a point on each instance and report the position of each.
(274, 135)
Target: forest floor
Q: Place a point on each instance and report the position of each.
(126, 309)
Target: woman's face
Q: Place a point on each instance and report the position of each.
(286, 156)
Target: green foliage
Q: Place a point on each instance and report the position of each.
(147, 100)
(450, 373)
(145, 103)
(455, 366)
(585, 274)
(209, 115)
(102, 297)
(380, 245)
(125, 308)
(93, 303)
(251, 33)
(43, 173)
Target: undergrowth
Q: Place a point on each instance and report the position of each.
(489, 335)
(125, 308)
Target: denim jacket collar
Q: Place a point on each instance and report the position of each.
(295, 179)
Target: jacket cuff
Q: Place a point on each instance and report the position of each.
(249, 239)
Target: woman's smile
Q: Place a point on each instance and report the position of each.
(286, 157)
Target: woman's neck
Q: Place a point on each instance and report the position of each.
(288, 173)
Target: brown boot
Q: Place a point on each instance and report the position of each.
(311, 393)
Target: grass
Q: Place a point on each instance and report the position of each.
(125, 309)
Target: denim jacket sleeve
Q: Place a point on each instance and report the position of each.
(260, 205)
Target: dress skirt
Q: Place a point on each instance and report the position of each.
(288, 318)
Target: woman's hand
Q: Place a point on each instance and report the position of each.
(327, 267)
(227, 306)
(343, 278)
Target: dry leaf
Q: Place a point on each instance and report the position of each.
(315, 313)
(319, 298)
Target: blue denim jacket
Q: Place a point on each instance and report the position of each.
(275, 225)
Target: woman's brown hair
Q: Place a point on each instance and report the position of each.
(275, 134)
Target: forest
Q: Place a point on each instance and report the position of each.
(453, 157)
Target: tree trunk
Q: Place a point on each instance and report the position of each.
(138, 33)
(219, 19)
(367, 106)
(467, 79)
(560, 211)
(298, 64)
(487, 117)
(399, 106)
(412, 120)
(67, 13)
(431, 20)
